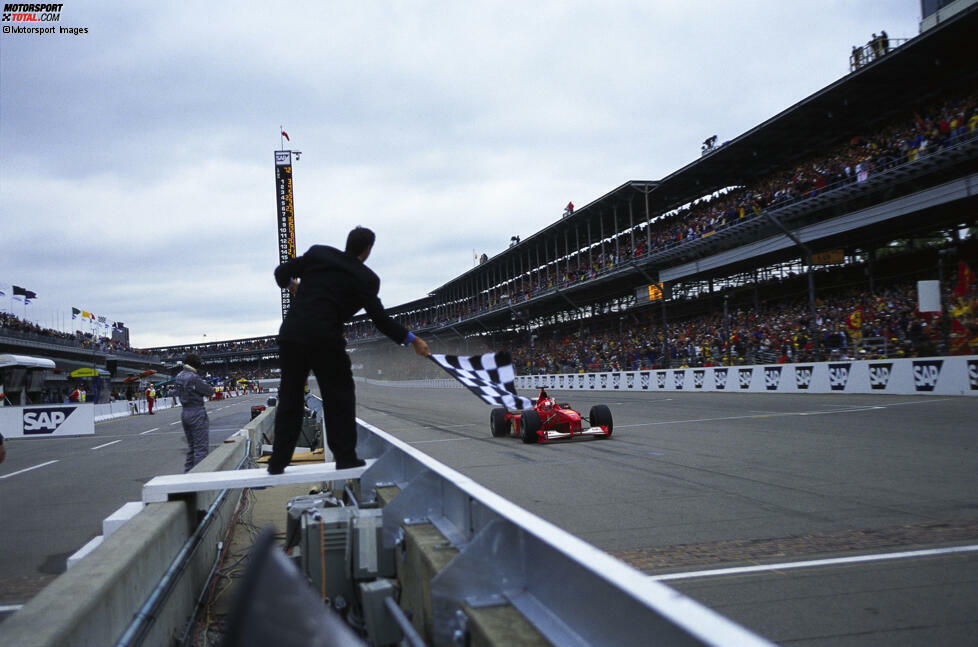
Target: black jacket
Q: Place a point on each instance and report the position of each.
(334, 286)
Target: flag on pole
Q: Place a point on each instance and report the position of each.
(490, 376)
(965, 278)
(75, 312)
(286, 135)
(27, 294)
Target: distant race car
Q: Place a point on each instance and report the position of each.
(548, 420)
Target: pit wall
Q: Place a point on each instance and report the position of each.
(920, 376)
(94, 602)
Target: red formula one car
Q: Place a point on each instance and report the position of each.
(548, 420)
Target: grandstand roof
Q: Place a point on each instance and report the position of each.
(922, 68)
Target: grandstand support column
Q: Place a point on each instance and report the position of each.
(601, 233)
(945, 324)
(631, 226)
(590, 253)
(871, 267)
(665, 335)
(577, 243)
(614, 215)
(648, 223)
(808, 261)
(726, 329)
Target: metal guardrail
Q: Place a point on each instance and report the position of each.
(573, 593)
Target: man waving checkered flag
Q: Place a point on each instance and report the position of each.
(489, 376)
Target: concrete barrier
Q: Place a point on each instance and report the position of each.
(97, 600)
(918, 376)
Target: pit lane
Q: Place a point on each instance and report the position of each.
(695, 483)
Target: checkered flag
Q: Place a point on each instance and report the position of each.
(489, 376)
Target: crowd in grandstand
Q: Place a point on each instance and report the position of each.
(13, 323)
(175, 353)
(848, 325)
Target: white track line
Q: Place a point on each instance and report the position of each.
(9, 608)
(5, 476)
(719, 572)
(175, 423)
(143, 433)
(107, 444)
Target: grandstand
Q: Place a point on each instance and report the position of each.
(878, 168)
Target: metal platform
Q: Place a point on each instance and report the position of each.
(159, 488)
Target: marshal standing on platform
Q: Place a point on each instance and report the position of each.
(328, 287)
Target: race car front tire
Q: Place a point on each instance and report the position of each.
(600, 416)
(530, 425)
(498, 424)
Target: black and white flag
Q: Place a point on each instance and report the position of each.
(489, 376)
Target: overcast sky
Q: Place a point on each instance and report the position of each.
(136, 160)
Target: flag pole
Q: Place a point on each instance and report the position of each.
(281, 142)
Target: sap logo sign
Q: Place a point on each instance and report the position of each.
(645, 379)
(678, 378)
(746, 375)
(838, 376)
(660, 379)
(698, 379)
(973, 374)
(803, 376)
(720, 378)
(879, 375)
(926, 373)
(616, 380)
(604, 381)
(772, 377)
(45, 421)
(630, 381)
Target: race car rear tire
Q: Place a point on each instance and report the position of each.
(530, 425)
(600, 416)
(498, 424)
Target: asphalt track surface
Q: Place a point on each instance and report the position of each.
(689, 484)
(693, 483)
(55, 492)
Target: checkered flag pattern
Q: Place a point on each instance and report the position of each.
(489, 376)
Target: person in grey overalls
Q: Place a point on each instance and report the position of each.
(192, 389)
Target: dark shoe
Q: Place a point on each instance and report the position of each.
(275, 470)
(348, 463)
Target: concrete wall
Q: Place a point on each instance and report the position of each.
(921, 376)
(94, 602)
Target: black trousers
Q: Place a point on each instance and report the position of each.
(331, 366)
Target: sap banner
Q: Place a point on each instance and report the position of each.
(47, 420)
(923, 376)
